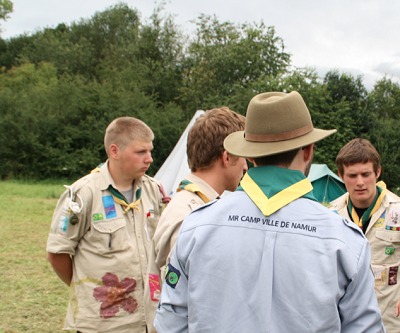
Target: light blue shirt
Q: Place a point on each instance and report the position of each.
(302, 269)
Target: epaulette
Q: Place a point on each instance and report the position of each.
(206, 205)
(165, 198)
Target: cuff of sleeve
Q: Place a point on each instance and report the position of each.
(58, 244)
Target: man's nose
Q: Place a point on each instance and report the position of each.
(360, 181)
(149, 158)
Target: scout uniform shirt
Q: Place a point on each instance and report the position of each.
(383, 234)
(192, 193)
(269, 262)
(108, 244)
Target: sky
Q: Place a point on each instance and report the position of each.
(359, 37)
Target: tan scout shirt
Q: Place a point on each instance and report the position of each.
(383, 234)
(181, 205)
(109, 250)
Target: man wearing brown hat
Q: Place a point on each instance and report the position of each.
(269, 257)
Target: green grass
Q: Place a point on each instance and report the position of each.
(33, 299)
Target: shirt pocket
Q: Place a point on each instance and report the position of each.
(151, 225)
(110, 236)
(386, 247)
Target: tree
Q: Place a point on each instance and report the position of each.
(224, 58)
(384, 105)
(349, 96)
(6, 8)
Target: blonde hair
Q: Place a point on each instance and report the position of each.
(122, 131)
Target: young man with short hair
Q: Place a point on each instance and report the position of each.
(376, 210)
(101, 231)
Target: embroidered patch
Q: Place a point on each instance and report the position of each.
(379, 223)
(154, 284)
(109, 207)
(393, 275)
(380, 275)
(63, 220)
(389, 250)
(63, 223)
(394, 217)
(97, 217)
(172, 276)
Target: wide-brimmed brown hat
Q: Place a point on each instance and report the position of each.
(276, 122)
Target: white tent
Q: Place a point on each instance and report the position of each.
(175, 168)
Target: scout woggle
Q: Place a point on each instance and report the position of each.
(74, 205)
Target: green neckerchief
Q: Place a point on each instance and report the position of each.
(120, 199)
(189, 186)
(380, 194)
(272, 188)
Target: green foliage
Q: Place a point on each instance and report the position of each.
(384, 104)
(350, 95)
(59, 89)
(6, 8)
(224, 60)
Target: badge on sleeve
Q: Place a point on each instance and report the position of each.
(172, 276)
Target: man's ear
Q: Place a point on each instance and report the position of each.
(225, 158)
(113, 151)
(308, 152)
(378, 172)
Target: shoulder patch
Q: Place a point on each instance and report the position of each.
(172, 276)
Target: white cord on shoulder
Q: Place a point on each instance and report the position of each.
(74, 205)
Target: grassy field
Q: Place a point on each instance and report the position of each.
(33, 299)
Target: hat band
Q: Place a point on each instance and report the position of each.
(279, 136)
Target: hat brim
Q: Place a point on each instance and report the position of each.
(237, 145)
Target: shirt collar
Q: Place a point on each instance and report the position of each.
(272, 188)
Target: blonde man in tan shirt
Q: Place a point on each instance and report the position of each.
(100, 234)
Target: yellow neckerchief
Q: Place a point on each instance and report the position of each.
(125, 206)
(269, 206)
(189, 186)
(120, 199)
(371, 210)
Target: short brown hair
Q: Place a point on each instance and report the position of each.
(206, 137)
(122, 131)
(284, 159)
(358, 151)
